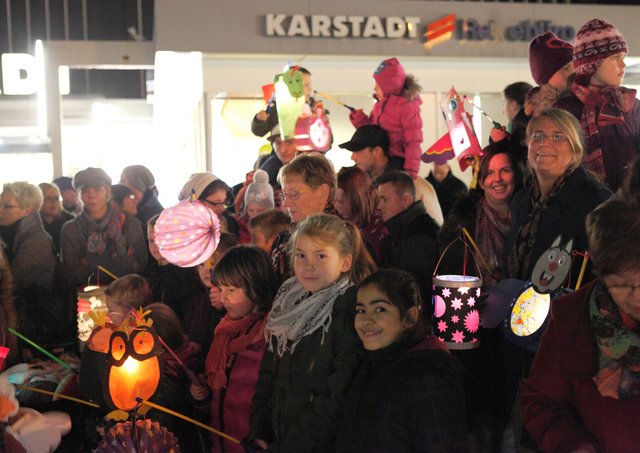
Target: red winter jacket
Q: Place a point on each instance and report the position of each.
(231, 406)
(561, 405)
(400, 118)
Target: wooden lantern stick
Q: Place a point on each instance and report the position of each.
(188, 419)
(475, 247)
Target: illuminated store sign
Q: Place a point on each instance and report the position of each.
(323, 26)
(394, 27)
(20, 74)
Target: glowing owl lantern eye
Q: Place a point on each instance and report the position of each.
(118, 348)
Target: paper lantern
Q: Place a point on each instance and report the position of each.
(133, 367)
(313, 133)
(187, 234)
(148, 437)
(455, 310)
(91, 298)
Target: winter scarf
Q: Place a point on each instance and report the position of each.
(619, 344)
(230, 337)
(105, 237)
(491, 241)
(602, 107)
(297, 313)
(520, 255)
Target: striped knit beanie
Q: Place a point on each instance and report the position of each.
(595, 41)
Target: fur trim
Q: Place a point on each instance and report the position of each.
(412, 88)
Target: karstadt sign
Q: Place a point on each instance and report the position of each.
(407, 27)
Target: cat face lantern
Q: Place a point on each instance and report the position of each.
(552, 267)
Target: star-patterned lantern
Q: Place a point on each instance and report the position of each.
(455, 310)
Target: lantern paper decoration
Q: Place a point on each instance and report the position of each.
(313, 133)
(456, 310)
(552, 267)
(290, 100)
(149, 437)
(187, 234)
(133, 367)
(91, 298)
(460, 141)
(530, 310)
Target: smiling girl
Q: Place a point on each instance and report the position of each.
(248, 285)
(313, 349)
(409, 394)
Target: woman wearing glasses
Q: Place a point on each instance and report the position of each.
(30, 252)
(555, 204)
(308, 187)
(214, 193)
(583, 393)
(559, 197)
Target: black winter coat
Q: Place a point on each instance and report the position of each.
(299, 396)
(565, 216)
(412, 245)
(408, 397)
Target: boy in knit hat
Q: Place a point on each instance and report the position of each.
(550, 62)
(397, 112)
(608, 112)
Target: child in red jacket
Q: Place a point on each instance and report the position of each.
(397, 112)
(248, 286)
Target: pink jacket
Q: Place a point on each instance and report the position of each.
(231, 407)
(400, 118)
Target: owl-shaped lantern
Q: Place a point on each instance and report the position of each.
(133, 367)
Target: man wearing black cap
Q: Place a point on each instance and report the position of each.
(369, 148)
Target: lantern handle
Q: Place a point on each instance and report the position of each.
(444, 252)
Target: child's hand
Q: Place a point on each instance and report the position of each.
(262, 115)
(498, 134)
(199, 392)
(215, 296)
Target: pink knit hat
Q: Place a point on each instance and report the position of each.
(547, 55)
(595, 41)
(390, 76)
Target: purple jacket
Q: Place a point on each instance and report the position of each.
(401, 119)
(620, 142)
(560, 402)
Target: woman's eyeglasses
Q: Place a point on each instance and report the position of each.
(622, 291)
(217, 204)
(539, 137)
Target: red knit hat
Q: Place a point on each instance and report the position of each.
(547, 55)
(390, 76)
(595, 41)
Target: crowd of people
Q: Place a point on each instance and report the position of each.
(310, 327)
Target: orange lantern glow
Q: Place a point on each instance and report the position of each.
(133, 367)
